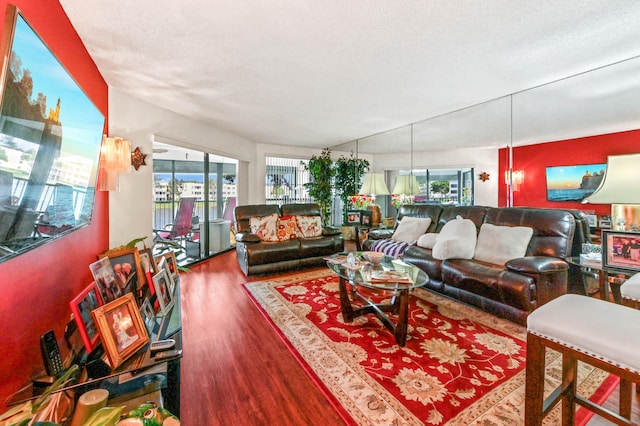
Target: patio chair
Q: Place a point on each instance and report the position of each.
(180, 229)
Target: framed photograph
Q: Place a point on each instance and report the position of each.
(592, 220)
(621, 250)
(147, 262)
(365, 217)
(353, 217)
(127, 268)
(172, 265)
(162, 284)
(149, 317)
(81, 307)
(121, 329)
(106, 280)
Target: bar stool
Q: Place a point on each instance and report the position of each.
(630, 292)
(596, 332)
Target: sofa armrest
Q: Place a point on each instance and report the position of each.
(331, 230)
(537, 265)
(380, 234)
(247, 237)
(550, 275)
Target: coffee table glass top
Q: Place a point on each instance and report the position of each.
(390, 273)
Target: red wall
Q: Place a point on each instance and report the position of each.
(534, 159)
(36, 287)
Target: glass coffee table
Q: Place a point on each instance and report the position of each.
(389, 276)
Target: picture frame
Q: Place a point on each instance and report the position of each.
(148, 262)
(162, 284)
(592, 220)
(81, 306)
(353, 217)
(621, 250)
(573, 182)
(127, 268)
(172, 266)
(106, 280)
(149, 317)
(366, 217)
(122, 331)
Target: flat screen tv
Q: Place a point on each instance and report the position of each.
(50, 138)
(573, 183)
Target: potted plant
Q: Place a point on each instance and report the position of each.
(320, 187)
(348, 179)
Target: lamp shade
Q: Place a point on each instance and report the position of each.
(374, 184)
(406, 185)
(620, 182)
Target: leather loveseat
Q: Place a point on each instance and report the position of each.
(256, 256)
(512, 290)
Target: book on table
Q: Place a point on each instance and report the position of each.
(390, 277)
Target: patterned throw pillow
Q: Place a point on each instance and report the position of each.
(288, 228)
(310, 226)
(264, 227)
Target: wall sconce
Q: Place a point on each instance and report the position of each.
(515, 178)
(618, 189)
(115, 158)
(374, 185)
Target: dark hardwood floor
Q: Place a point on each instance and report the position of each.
(236, 370)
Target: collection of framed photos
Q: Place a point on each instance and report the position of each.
(621, 250)
(359, 217)
(131, 288)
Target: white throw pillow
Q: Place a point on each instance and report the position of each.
(456, 240)
(427, 240)
(265, 227)
(410, 229)
(310, 226)
(499, 244)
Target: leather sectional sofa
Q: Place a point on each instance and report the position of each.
(257, 257)
(512, 290)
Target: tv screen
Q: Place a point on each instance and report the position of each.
(573, 183)
(50, 138)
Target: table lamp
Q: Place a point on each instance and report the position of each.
(406, 186)
(619, 187)
(374, 185)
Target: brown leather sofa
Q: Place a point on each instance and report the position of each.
(258, 257)
(511, 291)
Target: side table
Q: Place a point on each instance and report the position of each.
(609, 279)
(364, 228)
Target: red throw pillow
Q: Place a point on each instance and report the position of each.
(287, 228)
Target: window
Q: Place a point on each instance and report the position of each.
(284, 181)
(444, 186)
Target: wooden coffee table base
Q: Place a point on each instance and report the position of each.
(399, 306)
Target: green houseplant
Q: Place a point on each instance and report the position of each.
(320, 186)
(348, 179)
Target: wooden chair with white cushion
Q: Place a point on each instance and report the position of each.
(630, 291)
(599, 333)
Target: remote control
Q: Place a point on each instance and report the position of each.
(161, 345)
(168, 354)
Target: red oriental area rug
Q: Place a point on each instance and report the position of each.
(460, 366)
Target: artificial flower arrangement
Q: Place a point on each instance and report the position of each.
(360, 201)
(397, 200)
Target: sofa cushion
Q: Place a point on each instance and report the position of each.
(310, 226)
(456, 240)
(410, 229)
(427, 240)
(265, 227)
(287, 227)
(499, 244)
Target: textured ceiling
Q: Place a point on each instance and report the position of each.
(322, 73)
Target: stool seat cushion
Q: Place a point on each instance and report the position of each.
(604, 330)
(631, 288)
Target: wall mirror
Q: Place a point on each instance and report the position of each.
(50, 138)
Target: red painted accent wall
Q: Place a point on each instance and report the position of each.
(534, 159)
(36, 287)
